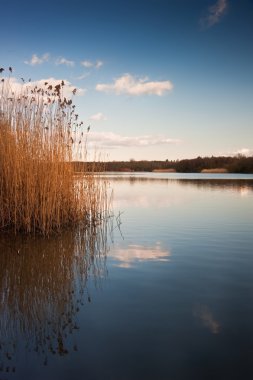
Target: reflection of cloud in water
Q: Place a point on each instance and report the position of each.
(148, 196)
(145, 201)
(127, 257)
(244, 191)
(207, 319)
(144, 191)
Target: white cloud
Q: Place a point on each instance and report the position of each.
(214, 14)
(247, 152)
(87, 64)
(36, 60)
(244, 152)
(98, 117)
(113, 140)
(127, 84)
(98, 64)
(17, 87)
(90, 64)
(83, 76)
(64, 61)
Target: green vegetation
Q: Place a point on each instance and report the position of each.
(39, 135)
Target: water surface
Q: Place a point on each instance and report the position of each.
(166, 292)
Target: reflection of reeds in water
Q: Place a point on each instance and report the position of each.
(40, 135)
(43, 284)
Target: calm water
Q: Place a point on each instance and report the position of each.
(164, 291)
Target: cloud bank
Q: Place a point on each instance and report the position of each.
(113, 140)
(128, 84)
(36, 60)
(214, 14)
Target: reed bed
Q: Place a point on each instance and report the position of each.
(40, 135)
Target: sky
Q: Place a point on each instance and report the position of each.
(156, 79)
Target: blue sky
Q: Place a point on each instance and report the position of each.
(158, 79)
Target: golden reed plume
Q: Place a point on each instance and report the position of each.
(40, 135)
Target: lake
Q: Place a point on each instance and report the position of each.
(163, 290)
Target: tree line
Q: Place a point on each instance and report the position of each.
(235, 164)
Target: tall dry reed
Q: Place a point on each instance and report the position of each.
(39, 134)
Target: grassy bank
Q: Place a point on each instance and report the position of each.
(39, 135)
